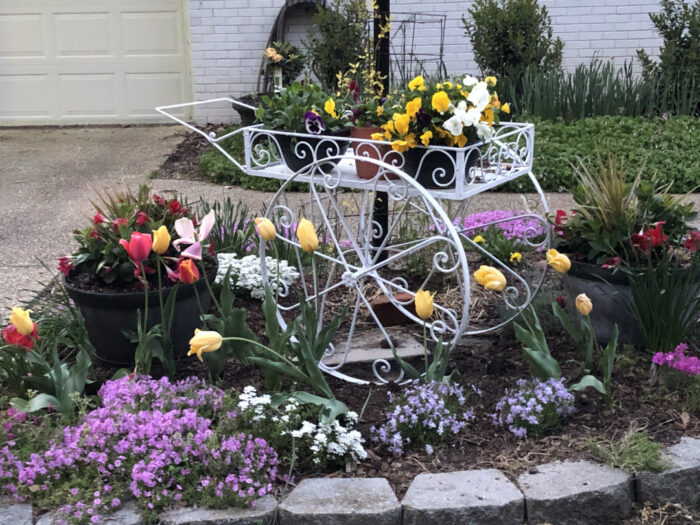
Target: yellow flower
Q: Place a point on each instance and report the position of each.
(307, 236)
(380, 110)
(491, 81)
(425, 137)
(490, 278)
(265, 228)
(400, 146)
(424, 304)
(488, 116)
(478, 239)
(401, 123)
(505, 108)
(21, 320)
(276, 58)
(558, 261)
(270, 52)
(412, 107)
(161, 240)
(330, 108)
(313, 110)
(441, 102)
(447, 84)
(516, 257)
(204, 341)
(411, 139)
(461, 140)
(584, 304)
(494, 101)
(417, 83)
(378, 136)
(389, 129)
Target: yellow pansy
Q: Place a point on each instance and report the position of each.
(478, 239)
(490, 278)
(491, 81)
(516, 257)
(400, 146)
(505, 108)
(425, 137)
(494, 101)
(401, 123)
(380, 110)
(378, 136)
(424, 304)
(411, 139)
(447, 84)
(417, 83)
(488, 116)
(441, 102)
(461, 140)
(330, 108)
(412, 107)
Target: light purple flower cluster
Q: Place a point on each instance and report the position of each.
(688, 365)
(534, 406)
(423, 414)
(517, 229)
(151, 440)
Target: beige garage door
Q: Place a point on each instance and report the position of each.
(91, 61)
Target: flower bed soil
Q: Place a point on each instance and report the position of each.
(183, 163)
(491, 363)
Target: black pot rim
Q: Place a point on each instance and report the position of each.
(594, 272)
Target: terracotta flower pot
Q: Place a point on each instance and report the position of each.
(369, 170)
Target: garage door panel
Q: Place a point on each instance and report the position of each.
(21, 35)
(88, 95)
(25, 96)
(82, 34)
(91, 61)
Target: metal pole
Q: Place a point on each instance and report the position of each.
(382, 65)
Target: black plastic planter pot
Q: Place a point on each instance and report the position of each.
(609, 292)
(108, 314)
(298, 152)
(435, 168)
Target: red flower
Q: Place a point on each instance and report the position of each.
(692, 243)
(160, 201)
(138, 247)
(64, 265)
(99, 218)
(142, 218)
(560, 217)
(94, 235)
(175, 207)
(188, 272)
(562, 301)
(611, 263)
(652, 238)
(118, 223)
(13, 337)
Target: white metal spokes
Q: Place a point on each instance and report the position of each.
(347, 269)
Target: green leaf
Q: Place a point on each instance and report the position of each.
(542, 365)
(40, 402)
(565, 321)
(589, 381)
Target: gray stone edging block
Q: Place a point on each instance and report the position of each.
(126, 515)
(679, 484)
(472, 496)
(576, 493)
(15, 513)
(344, 501)
(263, 513)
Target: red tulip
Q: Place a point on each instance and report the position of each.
(142, 218)
(188, 271)
(13, 337)
(138, 247)
(99, 218)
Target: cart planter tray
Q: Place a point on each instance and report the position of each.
(361, 258)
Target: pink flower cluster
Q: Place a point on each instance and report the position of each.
(518, 229)
(151, 440)
(688, 365)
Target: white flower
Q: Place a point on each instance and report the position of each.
(469, 81)
(472, 117)
(479, 96)
(246, 273)
(454, 124)
(484, 131)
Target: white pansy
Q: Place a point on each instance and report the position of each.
(484, 131)
(472, 117)
(454, 124)
(469, 81)
(479, 96)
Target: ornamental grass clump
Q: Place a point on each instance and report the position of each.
(423, 415)
(533, 407)
(153, 441)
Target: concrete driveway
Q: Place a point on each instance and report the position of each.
(48, 176)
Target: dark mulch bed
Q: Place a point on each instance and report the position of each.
(183, 163)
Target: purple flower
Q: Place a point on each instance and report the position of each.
(314, 123)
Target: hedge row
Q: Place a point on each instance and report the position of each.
(668, 147)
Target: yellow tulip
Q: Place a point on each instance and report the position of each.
(491, 81)
(204, 341)
(424, 304)
(505, 108)
(558, 261)
(516, 257)
(265, 228)
(21, 320)
(161, 240)
(584, 304)
(441, 102)
(401, 123)
(490, 278)
(307, 236)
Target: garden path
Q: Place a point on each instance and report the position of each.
(48, 176)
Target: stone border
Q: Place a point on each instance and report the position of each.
(569, 492)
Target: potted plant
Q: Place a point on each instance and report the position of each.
(426, 122)
(306, 108)
(618, 231)
(128, 260)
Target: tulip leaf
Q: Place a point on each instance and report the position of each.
(589, 381)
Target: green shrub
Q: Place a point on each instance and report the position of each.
(669, 148)
(635, 452)
(508, 36)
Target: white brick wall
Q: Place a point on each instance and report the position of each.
(228, 37)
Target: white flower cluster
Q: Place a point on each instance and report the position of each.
(334, 441)
(246, 273)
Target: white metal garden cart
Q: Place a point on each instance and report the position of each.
(364, 259)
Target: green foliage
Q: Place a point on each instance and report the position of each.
(669, 149)
(541, 362)
(338, 40)
(635, 452)
(291, 60)
(508, 36)
(235, 226)
(435, 367)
